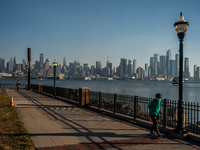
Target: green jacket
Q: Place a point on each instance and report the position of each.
(154, 107)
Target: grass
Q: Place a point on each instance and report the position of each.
(13, 134)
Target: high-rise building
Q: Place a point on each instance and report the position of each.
(41, 60)
(134, 66)
(177, 65)
(110, 68)
(156, 64)
(172, 68)
(162, 66)
(2, 65)
(130, 68)
(10, 65)
(151, 66)
(98, 67)
(139, 71)
(123, 64)
(64, 62)
(168, 58)
(186, 68)
(195, 72)
(146, 70)
(47, 64)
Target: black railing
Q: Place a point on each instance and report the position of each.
(11, 86)
(132, 106)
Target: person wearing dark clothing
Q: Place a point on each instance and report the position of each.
(18, 85)
(154, 111)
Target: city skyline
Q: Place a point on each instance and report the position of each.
(162, 66)
(91, 31)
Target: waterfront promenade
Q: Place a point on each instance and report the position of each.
(55, 124)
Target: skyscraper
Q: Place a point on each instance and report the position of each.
(168, 58)
(176, 65)
(156, 66)
(130, 68)
(195, 72)
(146, 70)
(172, 68)
(41, 59)
(123, 64)
(186, 68)
(134, 66)
(98, 67)
(162, 66)
(64, 62)
(151, 66)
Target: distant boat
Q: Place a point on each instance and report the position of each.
(175, 81)
(110, 78)
(87, 78)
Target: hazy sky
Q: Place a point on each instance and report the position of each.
(93, 30)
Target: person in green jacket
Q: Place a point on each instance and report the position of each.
(154, 111)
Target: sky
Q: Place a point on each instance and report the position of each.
(96, 30)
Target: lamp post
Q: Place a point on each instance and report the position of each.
(181, 27)
(29, 70)
(54, 88)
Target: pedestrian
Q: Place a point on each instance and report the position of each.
(18, 85)
(154, 111)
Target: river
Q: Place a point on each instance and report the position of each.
(191, 90)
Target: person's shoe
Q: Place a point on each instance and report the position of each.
(159, 136)
(152, 133)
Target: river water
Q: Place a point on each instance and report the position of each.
(191, 90)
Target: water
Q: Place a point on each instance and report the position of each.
(127, 87)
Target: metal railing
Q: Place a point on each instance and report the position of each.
(133, 106)
(11, 86)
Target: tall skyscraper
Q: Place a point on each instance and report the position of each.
(186, 68)
(162, 66)
(168, 58)
(123, 64)
(134, 66)
(146, 70)
(110, 68)
(139, 71)
(98, 67)
(156, 64)
(195, 72)
(172, 68)
(130, 67)
(151, 66)
(64, 62)
(177, 65)
(41, 59)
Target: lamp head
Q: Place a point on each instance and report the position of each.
(181, 26)
(55, 63)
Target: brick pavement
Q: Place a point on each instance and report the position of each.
(54, 124)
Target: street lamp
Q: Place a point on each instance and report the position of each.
(181, 27)
(54, 88)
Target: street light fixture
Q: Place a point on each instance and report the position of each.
(54, 88)
(181, 27)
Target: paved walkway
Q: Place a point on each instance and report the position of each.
(54, 124)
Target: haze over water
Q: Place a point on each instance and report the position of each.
(126, 87)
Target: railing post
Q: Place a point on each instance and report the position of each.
(135, 107)
(165, 112)
(85, 98)
(99, 100)
(115, 102)
(76, 94)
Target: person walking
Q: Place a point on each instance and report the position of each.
(154, 111)
(18, 85)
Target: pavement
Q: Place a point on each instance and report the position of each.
(56, 124)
